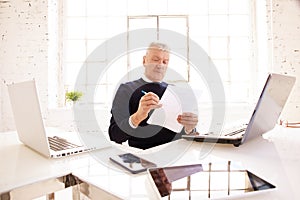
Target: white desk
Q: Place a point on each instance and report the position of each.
(277, 161)
(24, 169)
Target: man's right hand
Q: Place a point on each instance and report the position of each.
(148, 102)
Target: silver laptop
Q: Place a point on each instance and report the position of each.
(265, 115)
(52, 143)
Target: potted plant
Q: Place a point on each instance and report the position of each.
(73, 96)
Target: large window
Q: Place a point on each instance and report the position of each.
(178, 23)
(225, 29)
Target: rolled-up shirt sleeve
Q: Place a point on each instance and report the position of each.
(131, 124)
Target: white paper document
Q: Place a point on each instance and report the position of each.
(166, 116)
(175, 100)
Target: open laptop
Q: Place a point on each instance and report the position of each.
(265, 115)
(31, 131)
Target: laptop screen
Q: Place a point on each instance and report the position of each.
(27, 114)
(270, 105)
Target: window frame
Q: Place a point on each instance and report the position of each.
(253, 59)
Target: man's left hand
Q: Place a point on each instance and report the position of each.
(188, 120)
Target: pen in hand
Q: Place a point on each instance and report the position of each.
(144, 92)
(158, 104)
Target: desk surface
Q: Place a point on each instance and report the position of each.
(21, 165)
(276, 159)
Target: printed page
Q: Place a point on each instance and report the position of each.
(175, 100)
(166, 116)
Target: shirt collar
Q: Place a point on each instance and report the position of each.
(148, 80)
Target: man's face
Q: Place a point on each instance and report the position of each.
(156, 62)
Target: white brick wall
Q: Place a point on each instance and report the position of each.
(24, 37)
(23, 49)
(285, 23)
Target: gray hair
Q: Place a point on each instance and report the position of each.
(159, 45)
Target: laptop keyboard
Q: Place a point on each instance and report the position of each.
(58, 144)
(234, 130)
